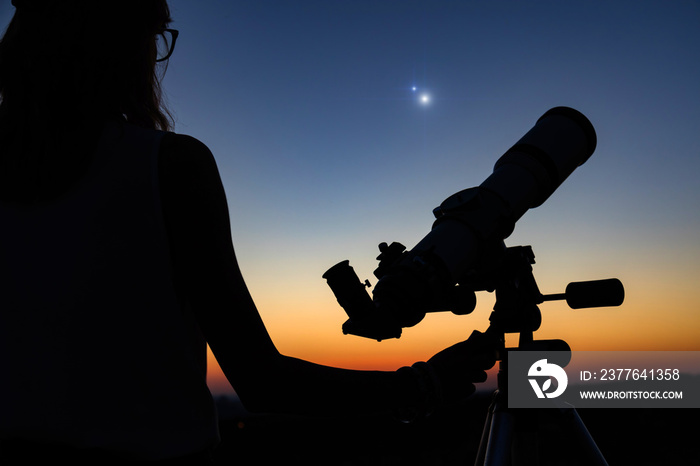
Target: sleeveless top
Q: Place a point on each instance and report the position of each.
(96, 350)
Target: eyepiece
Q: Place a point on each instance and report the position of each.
(349, 291)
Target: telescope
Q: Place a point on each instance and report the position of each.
(464, 252)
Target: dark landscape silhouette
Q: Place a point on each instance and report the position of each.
(449, 437)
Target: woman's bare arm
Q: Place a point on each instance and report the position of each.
(208, 276)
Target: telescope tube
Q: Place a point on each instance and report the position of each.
(471, 225)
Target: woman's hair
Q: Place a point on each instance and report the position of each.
(67, 66)
(92, 58)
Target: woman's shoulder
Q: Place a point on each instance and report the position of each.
(186, 161)
(183, 153)
(175, 145)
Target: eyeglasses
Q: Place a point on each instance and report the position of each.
(165, 44)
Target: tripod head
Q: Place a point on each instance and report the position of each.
(518, 298)
(465, 253)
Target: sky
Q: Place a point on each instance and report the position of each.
(325, 150)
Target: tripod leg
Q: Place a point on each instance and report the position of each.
(483, 444)
(500, 439)
(566, 436)
(584, 439)
(537, 437)
(494, 449)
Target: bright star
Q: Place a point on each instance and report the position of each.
(414, 88)
(424, 99)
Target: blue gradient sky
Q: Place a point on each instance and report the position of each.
(325, 151)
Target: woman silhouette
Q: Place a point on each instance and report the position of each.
(117, 266)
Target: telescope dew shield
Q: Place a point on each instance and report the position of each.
(530, 171)
(472, 221)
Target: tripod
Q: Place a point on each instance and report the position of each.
(536, 436)
(533, 436)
